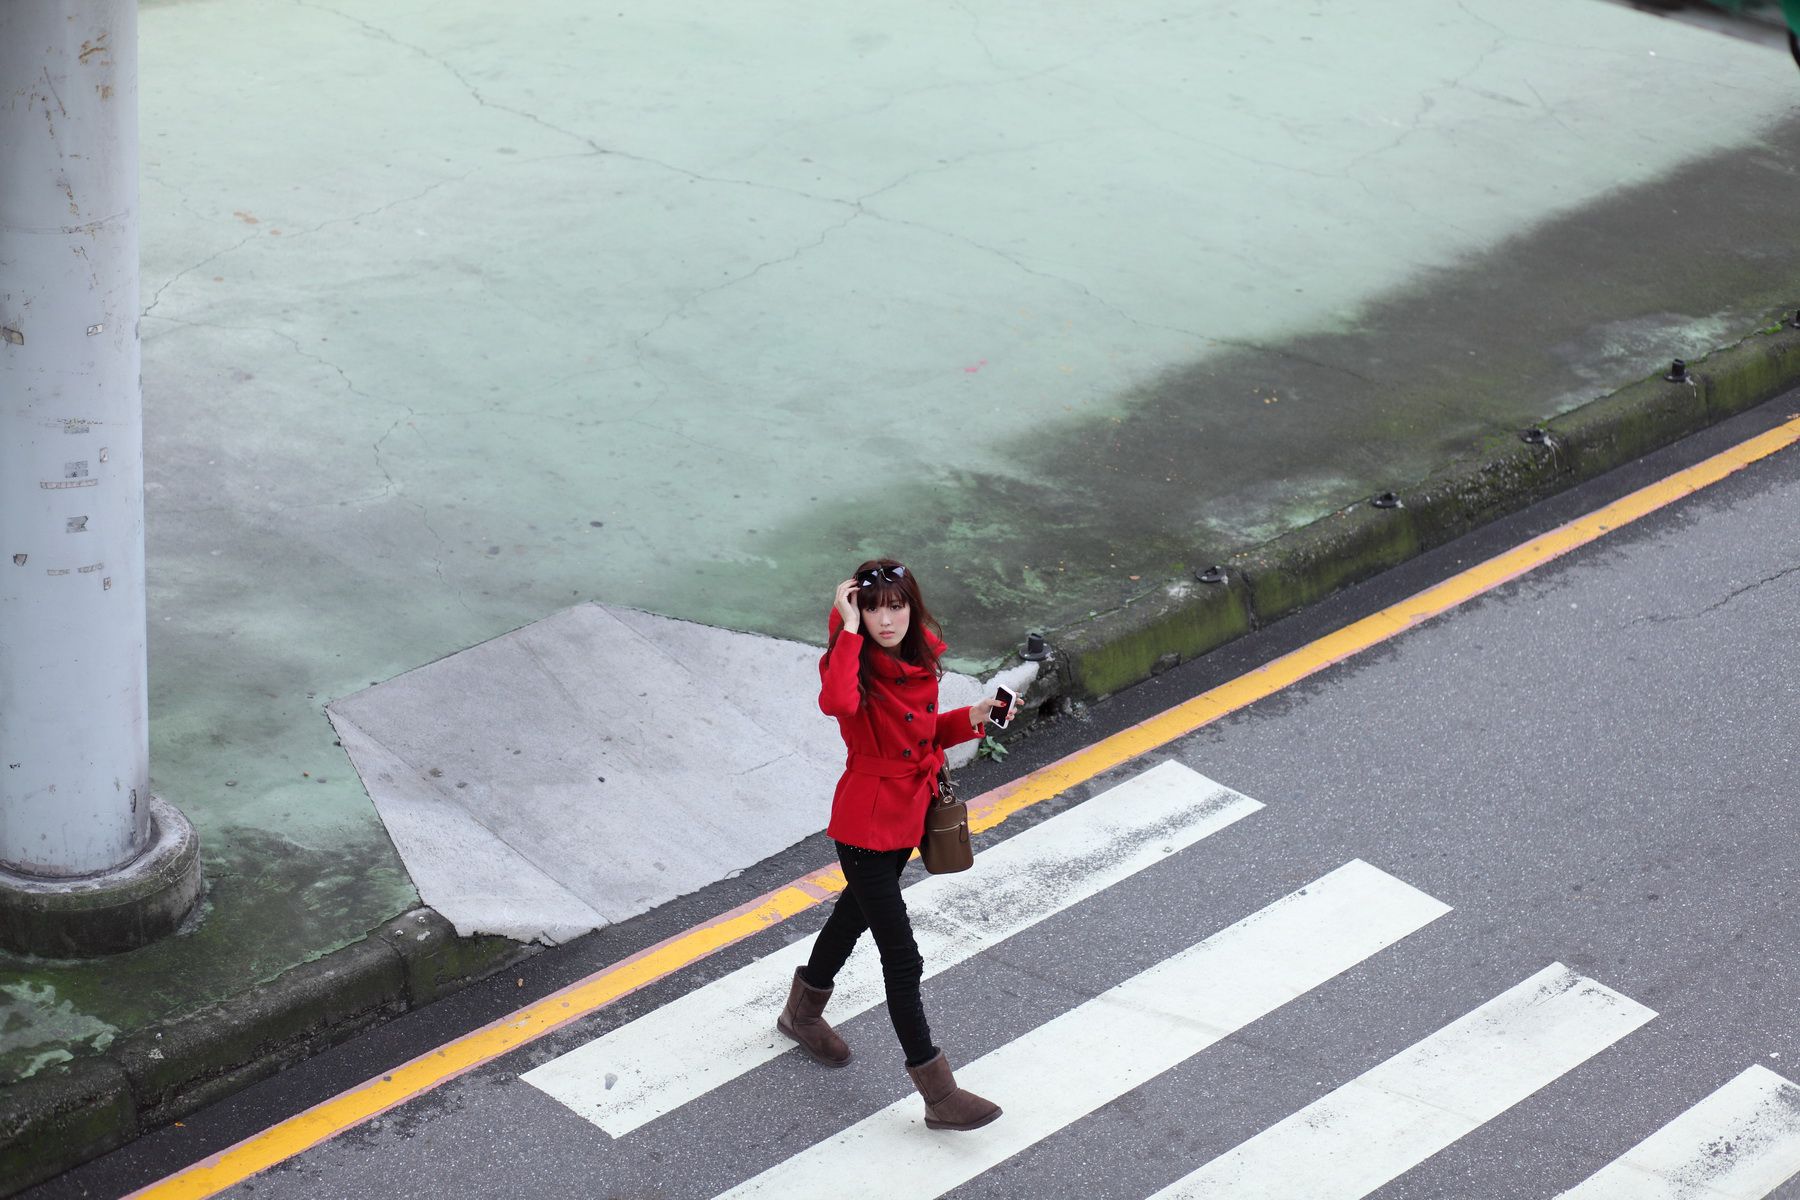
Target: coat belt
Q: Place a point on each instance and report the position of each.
(896, 768)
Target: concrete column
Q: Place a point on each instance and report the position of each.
(88, 862)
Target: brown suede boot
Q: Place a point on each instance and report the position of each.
(946, 1105)
(801, 1021)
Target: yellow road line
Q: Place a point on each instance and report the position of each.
(374, 1096)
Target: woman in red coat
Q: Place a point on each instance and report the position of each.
(879, 678)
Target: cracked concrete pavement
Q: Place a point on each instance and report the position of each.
(458, 316)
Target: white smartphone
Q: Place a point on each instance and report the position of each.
(1002, 715)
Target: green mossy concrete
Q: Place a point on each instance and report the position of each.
(72, 1112)
(1181, 622)
(438, 962)
(1752, 372)
(69, 1112)
(1305, 566)
(1478, 490)
(179, 1065)
(1627, 424)
(271, 903)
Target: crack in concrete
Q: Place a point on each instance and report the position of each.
(975, 32)
(375, 212)
(1655, 619)
(179, 275)
(759, 766)
(182, 196)
(439, 61)
(744, 278)
(1428, 100)
(594, 148)
(392, 486)
(286, 337)
(1481, 20)
(860, 210)
(1546, 106)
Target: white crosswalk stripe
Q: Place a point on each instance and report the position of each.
(1096, 1052)
(1740, 1143)
(1401, 1112)
(718, 1032)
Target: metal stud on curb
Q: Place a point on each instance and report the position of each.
(1212, 574)
(1677, 372)
(1795, 323)
(1387, 500)
(1536, 436)
(1036, 650)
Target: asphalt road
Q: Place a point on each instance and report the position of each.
(1592, 766)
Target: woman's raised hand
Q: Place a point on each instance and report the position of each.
(846, 606)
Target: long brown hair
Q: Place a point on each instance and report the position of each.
(915, 648)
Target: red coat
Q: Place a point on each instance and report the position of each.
(896, 743)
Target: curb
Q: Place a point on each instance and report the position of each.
(65, 1115)
(1187, 618)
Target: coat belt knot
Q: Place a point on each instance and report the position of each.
(898, 768)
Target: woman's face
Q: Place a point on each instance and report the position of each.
(887, 623)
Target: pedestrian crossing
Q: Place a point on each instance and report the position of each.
(1742, 1142)
(712, 1035)
(1098, 1051)
(1396, 1115)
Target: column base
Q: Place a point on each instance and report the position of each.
(119, 910)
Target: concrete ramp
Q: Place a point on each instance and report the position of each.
(595, 764)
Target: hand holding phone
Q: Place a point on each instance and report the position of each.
(1004, 699)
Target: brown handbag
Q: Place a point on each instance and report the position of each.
(945, 846)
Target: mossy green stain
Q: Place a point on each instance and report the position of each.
(271, 903)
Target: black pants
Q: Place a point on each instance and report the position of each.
(872, 901)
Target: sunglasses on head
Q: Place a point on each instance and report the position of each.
(875, 575)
